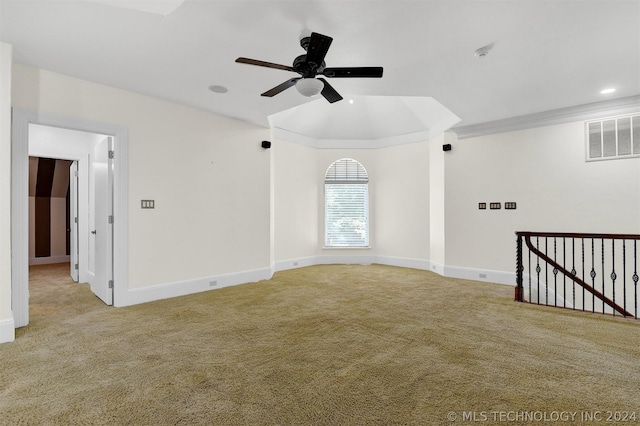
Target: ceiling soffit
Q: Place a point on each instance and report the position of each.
(363, 122)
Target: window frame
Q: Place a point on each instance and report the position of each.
(360, 179)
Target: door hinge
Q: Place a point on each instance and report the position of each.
(111, 219)
(76, 266)
(110, 283)
(75, 220)
(111, 154)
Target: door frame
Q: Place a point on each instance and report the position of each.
(20, 203)
(73, 221)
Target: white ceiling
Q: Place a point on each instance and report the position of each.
(545, 55)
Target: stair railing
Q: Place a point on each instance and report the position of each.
(588, 272)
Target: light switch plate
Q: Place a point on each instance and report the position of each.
(148, 204)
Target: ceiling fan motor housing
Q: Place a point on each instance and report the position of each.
(304, 42)
(307, 69)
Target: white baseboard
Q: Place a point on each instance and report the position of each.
(182, 288)
(486, 275)
(404, 262)
(301, 262)
(49, 260)
(7, 330)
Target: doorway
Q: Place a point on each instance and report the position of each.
(38, 134)
(52, 211)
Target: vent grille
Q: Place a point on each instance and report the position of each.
(611, 138)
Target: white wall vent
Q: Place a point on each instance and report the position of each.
(612, 138)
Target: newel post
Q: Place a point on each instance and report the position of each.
(519, 269)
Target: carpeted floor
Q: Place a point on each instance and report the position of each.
(324, 345)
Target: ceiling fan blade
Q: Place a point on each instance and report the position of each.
(318, 48)
(264, 64)
(280, 88)
(329, 92)
(363, 72)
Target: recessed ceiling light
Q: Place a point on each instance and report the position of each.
(218, 89)
(350, 101)
(609, 90)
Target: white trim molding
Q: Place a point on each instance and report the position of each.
(591, 111)
(287, 135)
(183, 288)
(7, 330)
(20, 202)
(472, 274)
(485, 275)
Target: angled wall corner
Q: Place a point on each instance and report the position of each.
(7, 333)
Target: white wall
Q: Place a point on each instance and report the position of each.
(544, 171)
(437, 203)
(402, 199)
(7, 333)
(398, 203)
(296, 201)
(208, 175)
(424, 202)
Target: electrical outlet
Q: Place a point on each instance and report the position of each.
(510, 205)
(483, 275)
(148, 204)
(213, 283)
(495, 206)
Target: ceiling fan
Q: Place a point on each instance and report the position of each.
(312, 64)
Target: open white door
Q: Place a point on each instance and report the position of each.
(73, 220)
(102, 235)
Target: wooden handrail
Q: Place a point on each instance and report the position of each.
(579, 235)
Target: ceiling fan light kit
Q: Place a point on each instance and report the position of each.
(309, 66)
(309, 87)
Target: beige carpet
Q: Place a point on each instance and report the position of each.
(324, 345)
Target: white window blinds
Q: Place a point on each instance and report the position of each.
(346, 192)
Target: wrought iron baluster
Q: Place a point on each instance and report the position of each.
(546, 271)
(583, 277)
(635, 278)
(613, 272)
(573, 271)
(538, 269)
(555, 274)
(564, 277)
(530, 274)
(624, 276)
(602, 270)
(593, 275)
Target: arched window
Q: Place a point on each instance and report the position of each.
(346, 205)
